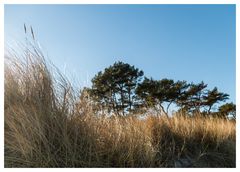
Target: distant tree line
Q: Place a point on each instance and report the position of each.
(122, 89)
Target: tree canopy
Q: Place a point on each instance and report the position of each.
(227, 110)
(121, 89)
(115, 87)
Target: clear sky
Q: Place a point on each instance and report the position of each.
(181, 42)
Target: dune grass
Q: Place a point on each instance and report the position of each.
(50, 124)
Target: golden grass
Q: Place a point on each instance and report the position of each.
(47, 125)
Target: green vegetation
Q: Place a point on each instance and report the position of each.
(120, 89)
(114, 88)
(228, 109)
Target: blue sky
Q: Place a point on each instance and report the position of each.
(181, 42)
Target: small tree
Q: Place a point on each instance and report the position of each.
(192, 99)
(175, 91)
(115, 87)
(147, 91)
(212, 97)
(227, 110)
(154, 93)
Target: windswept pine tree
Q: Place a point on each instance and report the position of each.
(120, 89)
(114, 88)
(212, 97)
(192, 98)
(156, 92)
(227, 110)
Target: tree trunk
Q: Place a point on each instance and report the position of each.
(168, 106)
(122, 102)
(129, 99)
(210, 107)
(162, 108)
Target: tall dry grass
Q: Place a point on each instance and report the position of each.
(49, 124)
